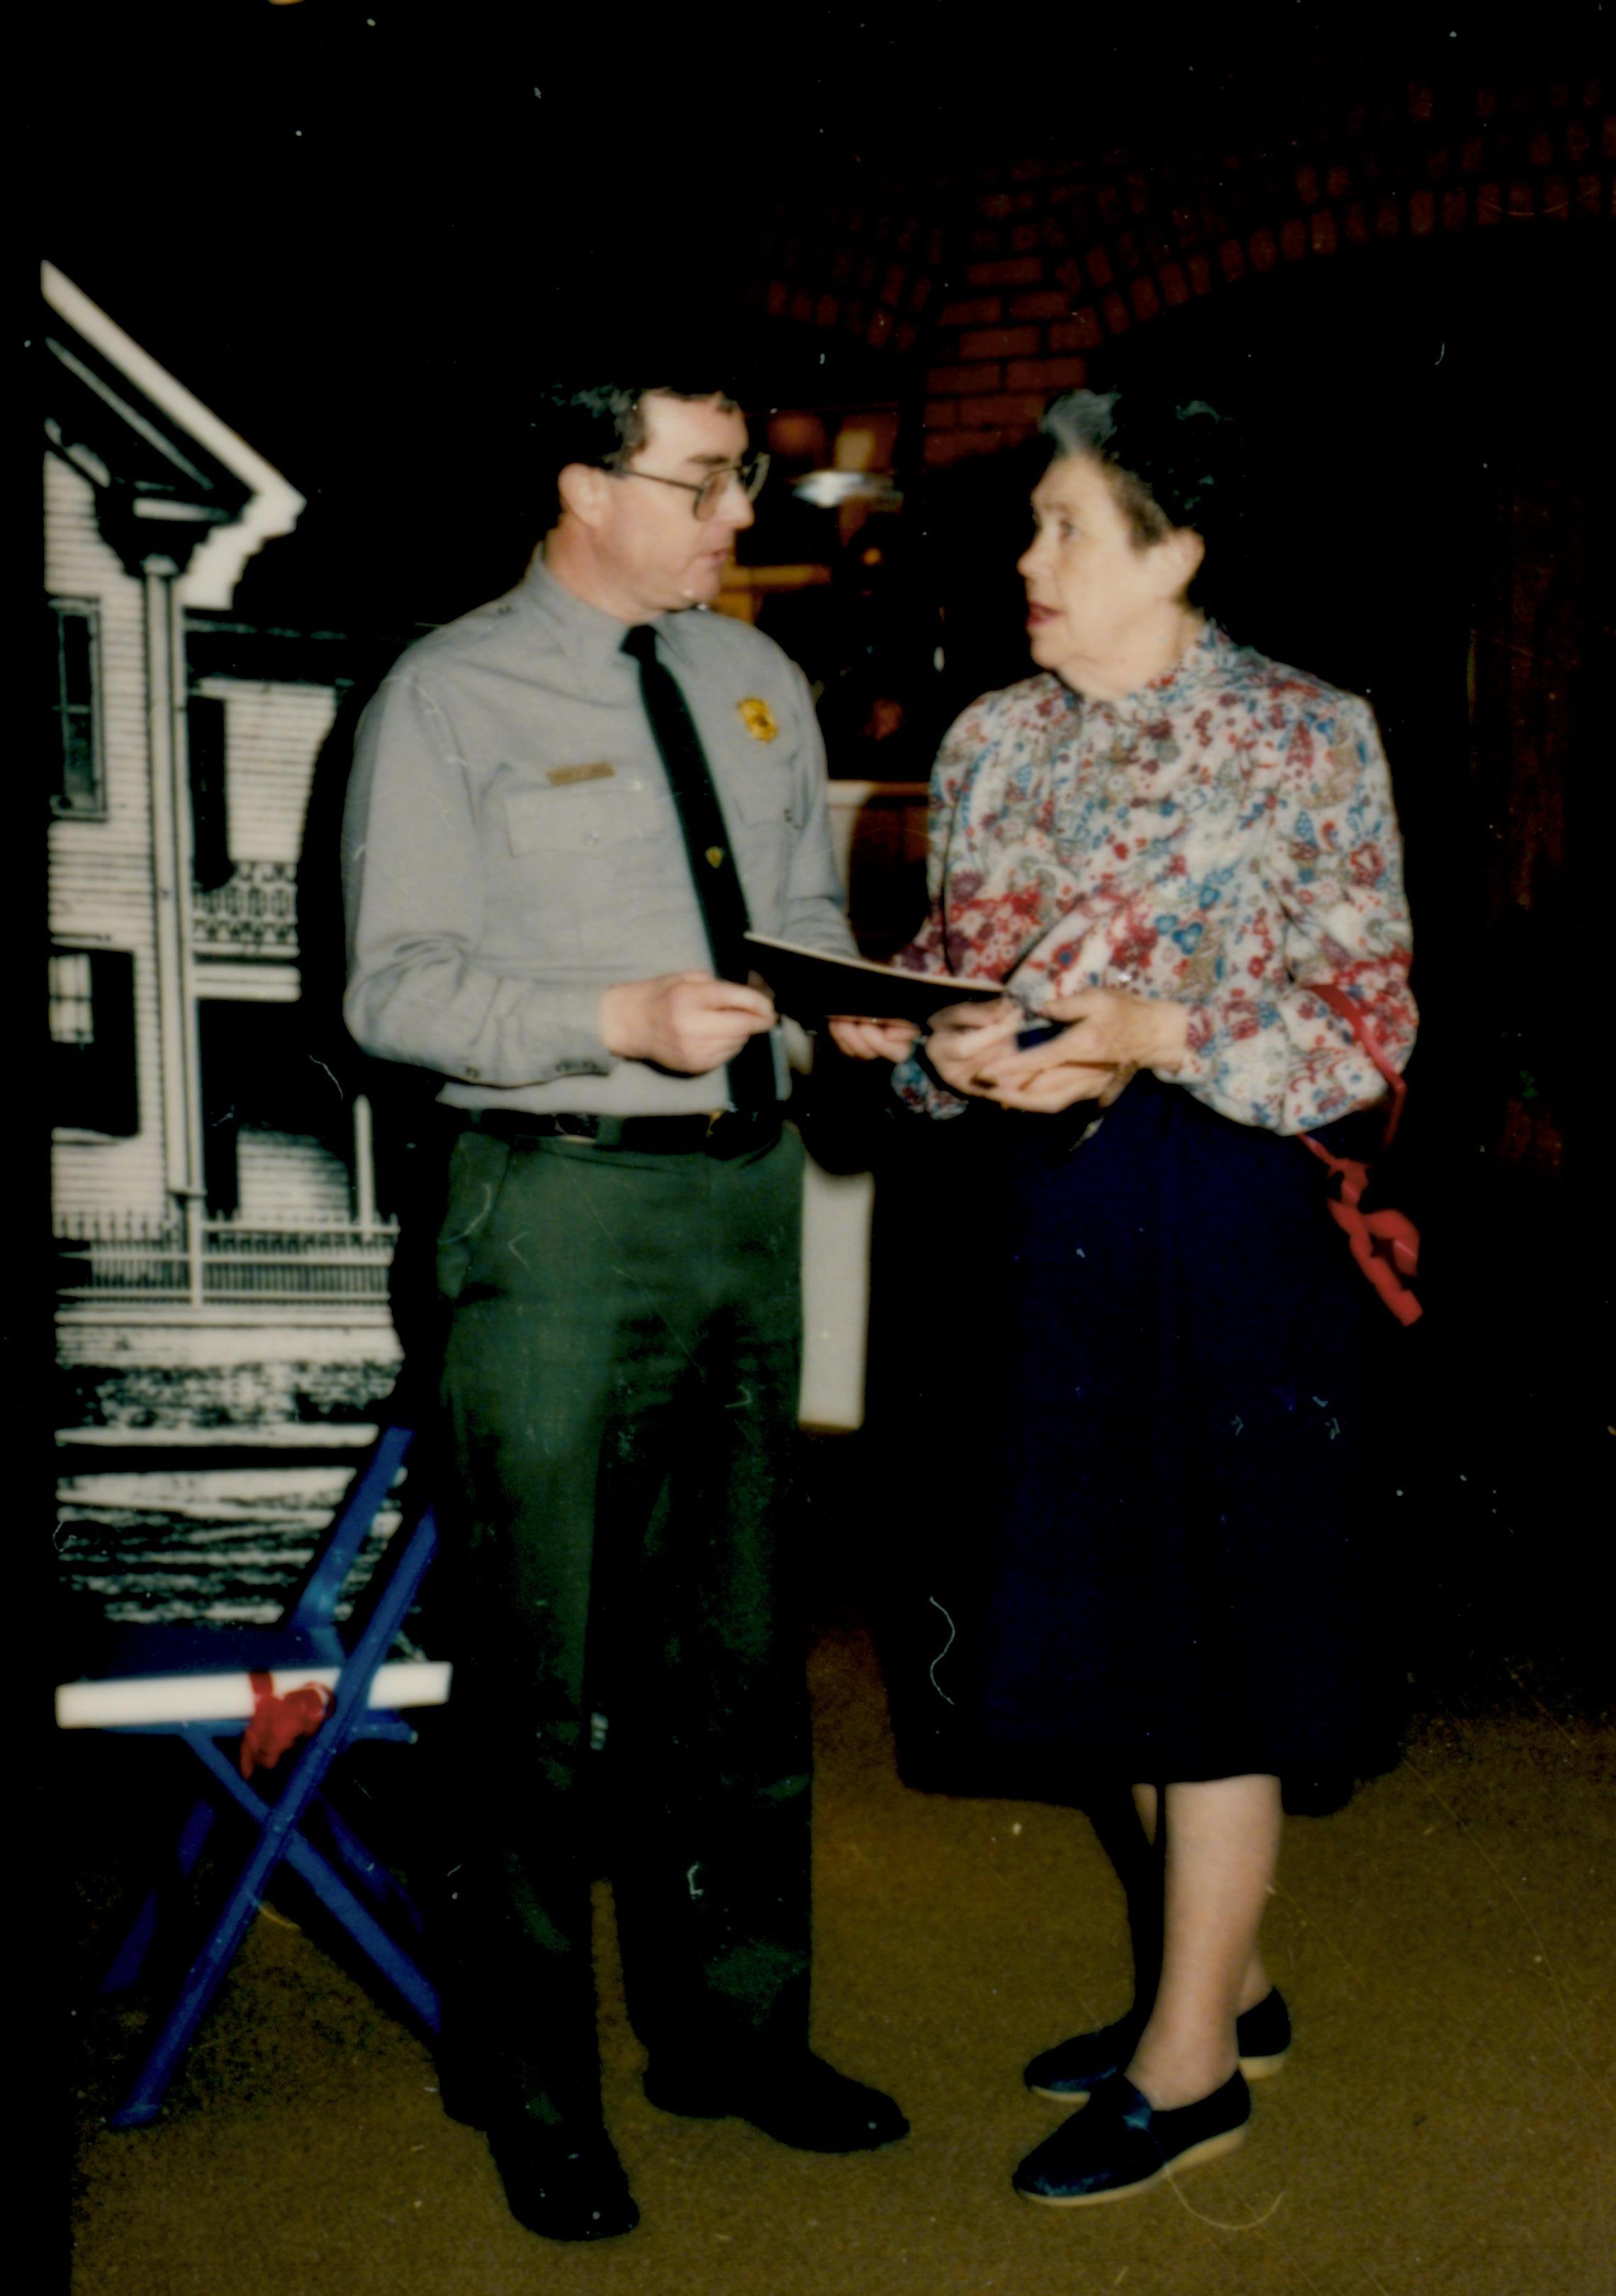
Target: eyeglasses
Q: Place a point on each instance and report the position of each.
(710, 491)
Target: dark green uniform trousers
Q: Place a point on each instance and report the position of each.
(620, 1376)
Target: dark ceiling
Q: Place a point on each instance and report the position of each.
(347, 229)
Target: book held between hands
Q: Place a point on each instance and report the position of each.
(813, 987)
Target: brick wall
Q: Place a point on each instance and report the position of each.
(1002, 285)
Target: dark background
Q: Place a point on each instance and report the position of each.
(359, 232)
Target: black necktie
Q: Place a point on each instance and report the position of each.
(712, 865)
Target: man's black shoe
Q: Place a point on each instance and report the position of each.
(797, 2099)
(567, 2184)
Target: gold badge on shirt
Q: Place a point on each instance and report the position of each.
(757, 718)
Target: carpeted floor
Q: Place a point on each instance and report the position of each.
(1444, 2127)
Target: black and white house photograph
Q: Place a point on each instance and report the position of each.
(828, 1265)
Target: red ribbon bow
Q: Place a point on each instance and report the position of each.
(1386, 1245)
(279, 1722)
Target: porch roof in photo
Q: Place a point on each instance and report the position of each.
(169, 472)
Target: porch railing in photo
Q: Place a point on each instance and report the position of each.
(253, 914)
(129, 1256)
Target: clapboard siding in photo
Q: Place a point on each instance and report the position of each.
(102, 892)
(273, 736)
(187, 1143)
(290, 1180)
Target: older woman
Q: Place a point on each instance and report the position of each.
(1166, 847)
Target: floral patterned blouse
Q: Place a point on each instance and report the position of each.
(1225, 837)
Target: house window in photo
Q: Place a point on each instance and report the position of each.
(92, 1018)
(211, 863)
(277, 1129)
(79, 786)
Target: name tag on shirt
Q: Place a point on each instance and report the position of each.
(562, 776)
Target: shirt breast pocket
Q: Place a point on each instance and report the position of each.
(763, 824)
(567, 820)
(586, 869)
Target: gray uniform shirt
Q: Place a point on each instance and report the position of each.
(511, 847)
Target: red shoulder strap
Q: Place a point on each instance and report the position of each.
(1385, 1245)
(1352, 1012)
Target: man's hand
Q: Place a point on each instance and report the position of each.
(873, 1040)
(684, 1021)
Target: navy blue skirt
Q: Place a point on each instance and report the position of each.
(1177, 1571)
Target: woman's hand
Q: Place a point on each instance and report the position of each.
(873, 1040)
(1109, 1035)
(1112, 1024)
(964, 1038)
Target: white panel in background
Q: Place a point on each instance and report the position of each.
(836, 1209)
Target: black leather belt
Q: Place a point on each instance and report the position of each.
(729, 1132)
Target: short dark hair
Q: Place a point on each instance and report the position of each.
(1173, 463)
(603, 426)
(1172, 460)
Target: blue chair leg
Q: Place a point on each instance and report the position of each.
(383, 1952)
(130, 1958)
(365, 1869)
(278, 1838)
(144, 2097)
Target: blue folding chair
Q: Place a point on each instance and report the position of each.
(306, 1638)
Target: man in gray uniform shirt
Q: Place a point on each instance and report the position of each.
(619, 1261)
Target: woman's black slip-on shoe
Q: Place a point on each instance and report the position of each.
(1123, 2145)
(1073, 2069)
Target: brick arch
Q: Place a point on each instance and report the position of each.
(864, 268)
(1004, 284)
